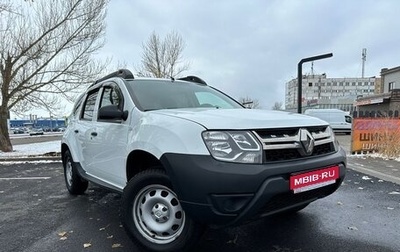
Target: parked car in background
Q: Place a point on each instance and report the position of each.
(35, 131)
(46, 129)
(339, 120)
(18, 131)
(61, 129)
(58, 129)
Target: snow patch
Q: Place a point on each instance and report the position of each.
(33, 149)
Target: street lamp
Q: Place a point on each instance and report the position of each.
(300, 76)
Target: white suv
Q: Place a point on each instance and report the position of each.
(186, 156)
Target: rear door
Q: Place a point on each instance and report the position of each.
(85, 127)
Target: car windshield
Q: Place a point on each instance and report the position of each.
(164, 94)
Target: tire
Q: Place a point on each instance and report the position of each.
(153, 216)
(75, 184)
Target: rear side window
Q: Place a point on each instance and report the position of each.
(111, 96)
(77, 105)
(89, 106)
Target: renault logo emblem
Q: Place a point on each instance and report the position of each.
(307, 142)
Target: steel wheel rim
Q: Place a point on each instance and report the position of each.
(68, 172)
(158, 214)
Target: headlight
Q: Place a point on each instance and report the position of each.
(233, 146)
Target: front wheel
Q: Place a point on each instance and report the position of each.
(153, 216)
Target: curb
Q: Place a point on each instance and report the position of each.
(29, 159)
(374, 173)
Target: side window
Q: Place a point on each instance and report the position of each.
(111, 96)
(89, 107)
(77, 105)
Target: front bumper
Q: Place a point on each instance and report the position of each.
(221, 193)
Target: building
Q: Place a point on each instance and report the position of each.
(52, 123)
(322, 92)
(390, 79)
(388, 97)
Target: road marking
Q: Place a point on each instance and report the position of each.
(25, 178)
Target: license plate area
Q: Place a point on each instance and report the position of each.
(314, 179)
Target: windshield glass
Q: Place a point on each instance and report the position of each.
(164, 94)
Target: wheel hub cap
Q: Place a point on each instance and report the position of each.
(160, 212)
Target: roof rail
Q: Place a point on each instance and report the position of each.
(122, 73)
(193, 79)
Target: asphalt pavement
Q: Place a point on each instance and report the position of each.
(39, 215)
(385, 169)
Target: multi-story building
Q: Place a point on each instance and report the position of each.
(388, 97)
(322, 92)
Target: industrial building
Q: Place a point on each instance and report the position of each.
(319, 91)
(52, 123)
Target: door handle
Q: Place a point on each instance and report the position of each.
(93, 133)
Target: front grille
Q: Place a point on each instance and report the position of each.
(286, 132)
(285, 144)
(279, 155)
(289, 154)
(323, 149)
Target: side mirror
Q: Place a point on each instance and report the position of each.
(112, 112)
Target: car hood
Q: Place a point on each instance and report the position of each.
(241, 118)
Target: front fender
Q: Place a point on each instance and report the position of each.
(159, 134)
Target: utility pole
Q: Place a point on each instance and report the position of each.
(312, 69)
(363, 58)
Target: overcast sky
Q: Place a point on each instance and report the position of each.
(252, 48)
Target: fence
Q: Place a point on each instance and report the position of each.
(374, 131)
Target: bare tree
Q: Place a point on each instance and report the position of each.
(5, 6)
(277, 106)
(249, 103)
(163, 58)
(45, 54)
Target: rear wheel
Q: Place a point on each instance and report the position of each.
(75, 184)
(153, 215)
